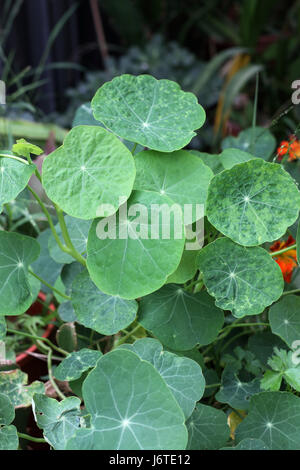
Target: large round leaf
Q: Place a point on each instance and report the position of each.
(14, 176)
(180, 320)
(208, 429)
(136, 264)
(253, 202)
(274, 417)
(154, 113)
(88, 174)
(180, 175)
(131, 407)
(103, 313)
(182, 375)
(284, 317)
(17, 252)
(78, 230)
(9, 438)
(7, 411)
(243, 280)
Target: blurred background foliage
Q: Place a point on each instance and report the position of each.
(54, 55)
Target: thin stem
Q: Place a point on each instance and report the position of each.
(238, 325)
(38, 338)
(13, 157)
(126, 337)
(67, 237)
(51, 378)
(294, 291)
(30, 438)
(288, 248)
(213, 385)
(49, 285)
(49, 218)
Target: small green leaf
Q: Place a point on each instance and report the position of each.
(274, 417)
(24, 148)
(14, 177)
(73, 366)
(234, 391)
(78, 230)
(180, 320)
(179, 175)
(9, 438)
(14, 385)
(103, 313)
(137, 263)
(186, 268)
(45, 267)
(207, 428)
(243, 280)
(211, 160)
(231, 156)
(17, 252)
(262, 345)
(253, 202)
(131, 407)
(59, 420)
(154, 113)
(182, 375)
(284, 318)
(259, 141)
(88, 174)
(66, 337)
(271, 381)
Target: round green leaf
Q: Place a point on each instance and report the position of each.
(154, 113)
(180, 320)
(253, 202)
(258, 140)
(180, 175)
(243, 280)
(182, 375)
(17, 252)
(88, 174)
(7, 411)
(134, 266)
(78, 230)
(284, 317)
(274, 417)
(73, 366)
(131, 407)
(103, 313)
(14, 177)
(207, 428)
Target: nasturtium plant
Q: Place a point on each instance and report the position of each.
(160, 272)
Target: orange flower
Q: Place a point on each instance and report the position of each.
(288, 260)
(291, 147)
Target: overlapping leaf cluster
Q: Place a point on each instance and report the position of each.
(146, 395)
